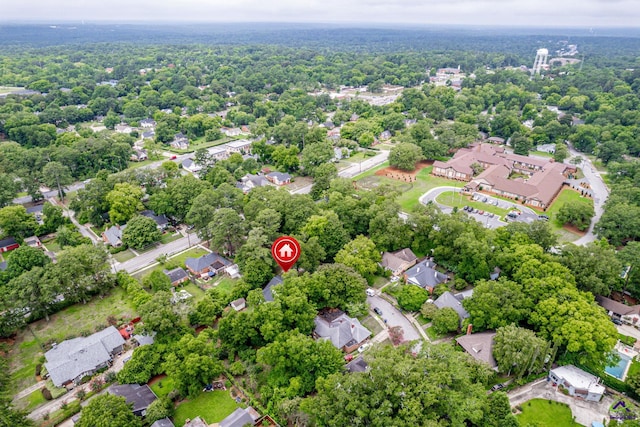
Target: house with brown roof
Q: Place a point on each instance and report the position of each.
(618, 310)
(399, 261)
(480, 347)
(536, 182)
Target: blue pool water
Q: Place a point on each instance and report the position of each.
(618, 370)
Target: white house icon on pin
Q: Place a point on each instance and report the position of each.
(285, 251)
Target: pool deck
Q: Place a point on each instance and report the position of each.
(628, 352)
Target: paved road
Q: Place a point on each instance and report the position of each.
(71, 215)
(49, 194)
(600, 192)
(354, 169)
(394, 317)
(149, 258)
(629, 331)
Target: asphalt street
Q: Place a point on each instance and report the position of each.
(394, 317)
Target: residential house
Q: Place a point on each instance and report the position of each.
(239, 304)
(113, 235)
(144, 339)
(148, 134)
(480, 347)
(148, 123)
(399, 261)
(617, 310)
(249, 182)
(180, 141)
(425, 275)
(240, 418)
(33, 241)
(447, 299)
(357, 365)
(334, 134)
(344, 332)
(165, 422)
(231, 131)
(123, 128)
(241, 146)
(140, 396)
(207, 265)
(496, 140)
(161, 220)
(139, 155)
(279, 178)
(8, 244)
(191, 166)
(177, 276)
(578, 382)
(267, 292)
(72, 360)
(385, 136)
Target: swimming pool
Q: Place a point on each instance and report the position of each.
(619, 370)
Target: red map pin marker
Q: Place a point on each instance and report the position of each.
(286, 251)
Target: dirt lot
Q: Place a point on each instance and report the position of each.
(400, 175)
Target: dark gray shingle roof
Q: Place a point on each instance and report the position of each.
(208, 260)
(140, 396)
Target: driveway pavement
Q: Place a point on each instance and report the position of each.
(394, 317)
(149, 258)
(600, 192)
(528, 215)
(583, 411)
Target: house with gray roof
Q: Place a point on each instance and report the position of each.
(113, 235)
(249, 182)
(279, 178)
(344, 332)
(177, 276)
(240, 418)
(161, 220)
(425, 275)
(357, 365)
(73, 359)
(144, 339)
(139, 396)
(165, 422)
(267, 292)
(447, 299)
(209, 264)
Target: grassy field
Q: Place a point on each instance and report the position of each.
(634, 368)
(545, 413)
(73, 320)
(410, 192)
(197, 293)
(31, 401)
(52, 245)
(169, 237)
(124, 256)
(433, 335)
(213, 406)
(226, 285)
(565, 196)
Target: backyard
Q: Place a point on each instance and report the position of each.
(212, 406)
(72, 321)
(546, 413)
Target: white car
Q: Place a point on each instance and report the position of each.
(364, 347)
(370, 292)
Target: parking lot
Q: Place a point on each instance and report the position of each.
(518, 212)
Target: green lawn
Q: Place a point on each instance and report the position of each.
(213, 406)
(565, 196)
(52, 245)
(541, 154)
(124, 256)
(454, 199)
(433, 335)
(634, 368)
(191, 253)
(169, 237)
(197, 293)
(372, 324)
(136, 165)
(379, 282)
(163, 387)
(410, 192)
(226, 285)
(73, 320)
(546, 413)
(30, 402)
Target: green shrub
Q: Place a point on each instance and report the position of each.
(38, 369)
(46, 394)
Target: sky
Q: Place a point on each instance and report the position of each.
(531, 13)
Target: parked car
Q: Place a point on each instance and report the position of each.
(173, 157)
(616, 321)
(484, 200)
(364, 347)
(495, 202)
(543, 217)
(480, 212)
(491, 214)
(370, 292)
(512, 215)
(497, 387)
(377, 311)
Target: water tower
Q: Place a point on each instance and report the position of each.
(541, 61)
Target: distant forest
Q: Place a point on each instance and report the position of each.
(517, 44)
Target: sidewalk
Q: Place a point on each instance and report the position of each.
(27, 391)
